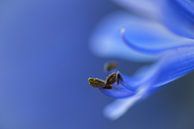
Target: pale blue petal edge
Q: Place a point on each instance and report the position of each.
(119, 107)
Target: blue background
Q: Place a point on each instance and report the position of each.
(44, 65)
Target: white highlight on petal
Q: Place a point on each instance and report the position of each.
(119, 107)
(123, 30)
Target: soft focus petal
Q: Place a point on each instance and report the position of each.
(167, 39)
(145, 7)
(128, 40)
(174, 64)
(167, 69)
(107, 40)
(178, 15)
(124, 89)
(120, 106)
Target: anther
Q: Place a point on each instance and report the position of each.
(96, 82)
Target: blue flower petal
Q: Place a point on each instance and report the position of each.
(119, 107)
(173, 65)
(125, 88)
(128, 40)
(178, 15)
(107, 40)
(147, 39)
(168, 68)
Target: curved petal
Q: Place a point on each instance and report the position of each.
(167, 69)
(129, 86)
(173, 65)
(128, 40)
(120, 106)
(125, 88)
(107, 40)
(178, 15)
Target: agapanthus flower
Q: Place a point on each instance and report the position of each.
(161, 31)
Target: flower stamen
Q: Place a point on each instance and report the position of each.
(96, 82)
(107, 84)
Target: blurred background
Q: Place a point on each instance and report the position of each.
(45, 62)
